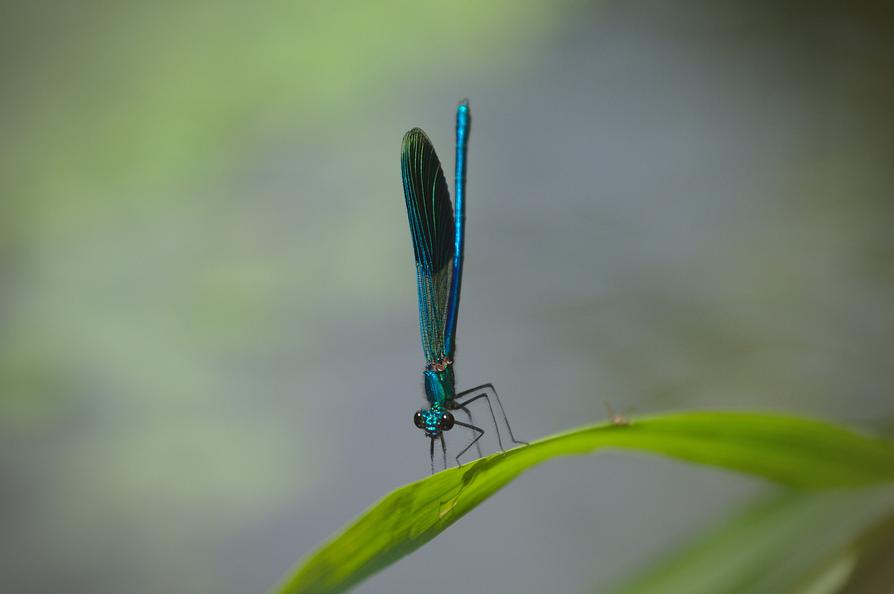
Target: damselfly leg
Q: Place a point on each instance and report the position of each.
(431, 451)
(480, 432)
(455, 404)
(431, 454)
(471, 422)
(444, 450)
(485, 390)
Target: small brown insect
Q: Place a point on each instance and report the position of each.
(616, 420)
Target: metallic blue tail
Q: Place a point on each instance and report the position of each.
(463, 124)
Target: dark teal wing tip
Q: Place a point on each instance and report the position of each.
(413, 134)
(413, 140)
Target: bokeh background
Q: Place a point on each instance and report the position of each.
(209, 356)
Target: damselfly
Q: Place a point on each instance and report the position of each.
(438, 235)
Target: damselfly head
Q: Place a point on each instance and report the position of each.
(433, 421)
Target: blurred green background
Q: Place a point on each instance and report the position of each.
(209, 356)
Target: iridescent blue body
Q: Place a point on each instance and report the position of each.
(439, 385)
(463, 122)
(438, 231)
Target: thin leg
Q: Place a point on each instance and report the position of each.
(431, 453)
(492, 415)
(444, 450)
(471, 422)
(474, 441)
(490, 388)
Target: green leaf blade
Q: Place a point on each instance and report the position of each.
(792, 451)
(792, 541)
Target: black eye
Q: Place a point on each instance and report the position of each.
(446, 422)
(418, 420)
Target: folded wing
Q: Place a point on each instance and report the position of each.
(432, 228)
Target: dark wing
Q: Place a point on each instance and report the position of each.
(431, 225)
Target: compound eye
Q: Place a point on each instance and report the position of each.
(418, 420)
(445, 423)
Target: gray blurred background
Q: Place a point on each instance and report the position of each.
(209, 351)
